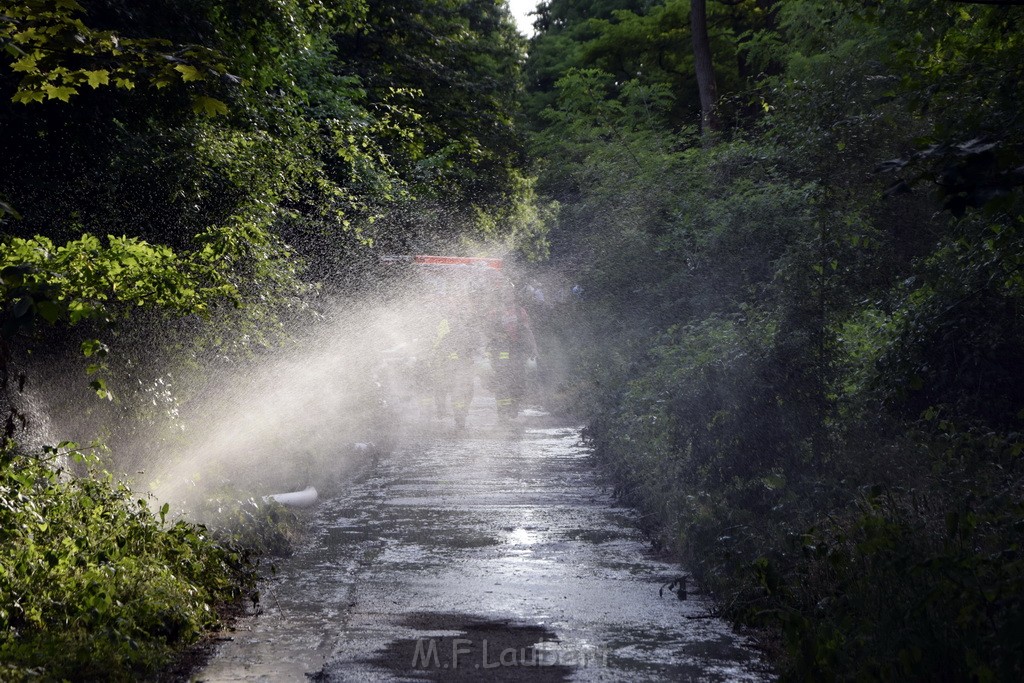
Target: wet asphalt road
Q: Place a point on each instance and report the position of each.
(496, 554)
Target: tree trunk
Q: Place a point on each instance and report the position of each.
(705, 69)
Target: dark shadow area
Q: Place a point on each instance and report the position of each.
(494, 650)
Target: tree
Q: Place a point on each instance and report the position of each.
(704, 68)
(457, 65)
(656, 43)
(810, 379)
(563, 30)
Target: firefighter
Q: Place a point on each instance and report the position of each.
(455, 344)
(511, 344)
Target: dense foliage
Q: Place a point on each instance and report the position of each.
(179, 184)
(801, 335)
(797, 337)
(92, 585)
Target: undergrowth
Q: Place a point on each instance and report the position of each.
(93, 584)
(900, 558)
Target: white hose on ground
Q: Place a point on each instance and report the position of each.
(298, 499)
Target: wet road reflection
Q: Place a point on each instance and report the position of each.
(495, 554)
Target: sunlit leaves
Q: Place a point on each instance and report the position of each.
(26, 96)
(188, 72)
(98, 77)
(92, 582)
(95, 347)
(62, 93)
(86, 278)
(100, 387)
(26, 64)
(304, 151)
(456, 65)
(57, 54)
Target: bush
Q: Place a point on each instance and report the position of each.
(93, 584)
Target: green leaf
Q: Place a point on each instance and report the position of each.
(98, 77)
(100, 387)
(49, 310)
(208, 106)
(26, 96)
(189, 73)
(59, 92)
(94, 347)
(26, 64)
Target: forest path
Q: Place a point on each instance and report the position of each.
(494, 554)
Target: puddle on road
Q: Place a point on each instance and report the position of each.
(461, 647)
